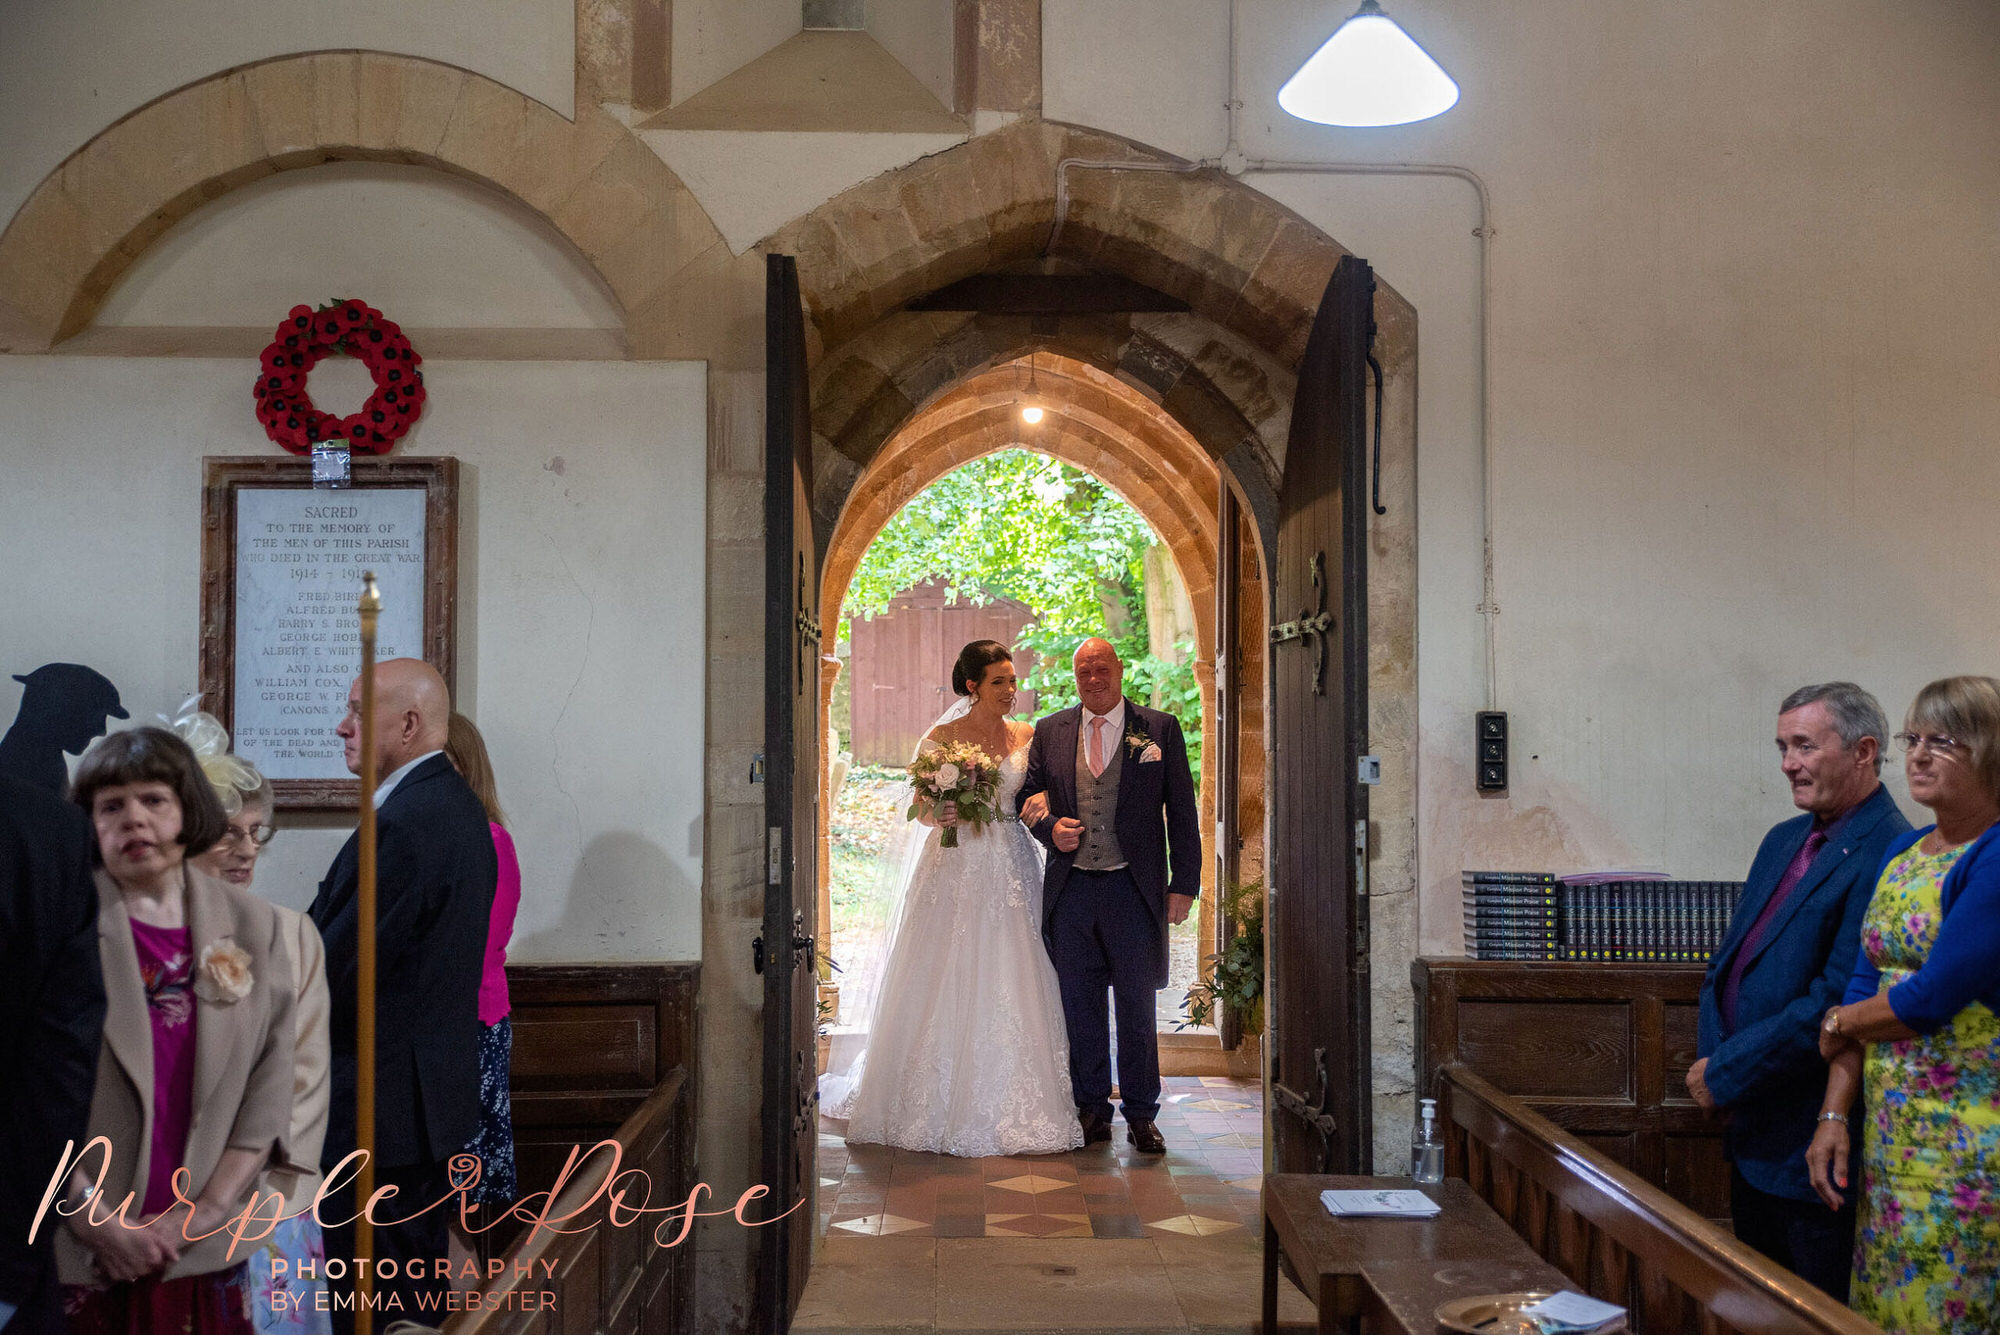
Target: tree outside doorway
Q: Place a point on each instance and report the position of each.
(1021, 526)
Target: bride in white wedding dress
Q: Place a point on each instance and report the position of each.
(965, 1051)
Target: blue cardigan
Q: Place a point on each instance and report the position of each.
(1964, 963)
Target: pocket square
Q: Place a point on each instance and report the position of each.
(1150, 754)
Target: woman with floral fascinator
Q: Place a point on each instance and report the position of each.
(281, 1303)
(195, 1077)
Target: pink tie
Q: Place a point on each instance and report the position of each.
(1096, 752)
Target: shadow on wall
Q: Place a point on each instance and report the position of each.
(64, 708)
(622, 877)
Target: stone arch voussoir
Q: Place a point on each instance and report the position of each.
(1094, 423)
(1238, 257)
(598, 186)
(1204, 379)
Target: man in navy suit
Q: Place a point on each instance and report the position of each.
(435, 873)
(1783, 961)
(1118, 814)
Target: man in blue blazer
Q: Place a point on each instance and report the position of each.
(1783, 961)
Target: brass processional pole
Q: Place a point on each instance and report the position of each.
(364, 1031)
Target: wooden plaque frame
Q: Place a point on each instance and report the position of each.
(223, 476)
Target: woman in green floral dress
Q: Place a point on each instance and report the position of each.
(1919, 1035)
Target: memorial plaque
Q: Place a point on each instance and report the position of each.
(282, 566)
(299, 560)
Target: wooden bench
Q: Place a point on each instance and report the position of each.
(1615, 1235)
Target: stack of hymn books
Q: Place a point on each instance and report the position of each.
(1379, 1203)
(1597, 917)
(1646, 922)
(1513, 915)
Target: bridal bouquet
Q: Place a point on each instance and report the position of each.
(955, 772)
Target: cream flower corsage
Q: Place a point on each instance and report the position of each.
(223, 974)
(1142, 746)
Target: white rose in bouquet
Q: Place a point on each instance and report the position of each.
(956, 772)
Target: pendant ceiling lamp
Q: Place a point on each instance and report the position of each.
(1369, 73)
(1031, 411)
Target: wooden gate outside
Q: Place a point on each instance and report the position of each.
(785, 953)
(899, 672)
(1318, 968)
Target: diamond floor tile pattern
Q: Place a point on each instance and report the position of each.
(1205, 1185)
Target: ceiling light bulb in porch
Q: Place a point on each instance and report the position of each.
(1369, 73)
(1031, 411)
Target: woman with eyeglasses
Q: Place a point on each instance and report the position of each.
(1918, 1036)
(281, 1303)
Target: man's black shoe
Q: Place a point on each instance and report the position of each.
(1146, 1138)
(1096, 1129)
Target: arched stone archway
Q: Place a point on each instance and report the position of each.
(1107, 428)
(1251, 273)
(1236, 256)
(612, 198)
(870, 388)
(1093, 422)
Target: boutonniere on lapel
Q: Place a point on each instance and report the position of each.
(222, 975)
(1144, 748)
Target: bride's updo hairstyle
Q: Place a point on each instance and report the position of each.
(973, 660)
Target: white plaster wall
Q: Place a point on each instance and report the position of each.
(714, 38)
(436, 241)
(118, 55)
(918, 33)
(1151, 70)
(752, 182)
(1744, 396)
(580, 590)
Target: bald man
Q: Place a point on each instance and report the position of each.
(435, 872)
(1109, 791)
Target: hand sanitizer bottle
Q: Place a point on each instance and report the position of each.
(1426, 1151)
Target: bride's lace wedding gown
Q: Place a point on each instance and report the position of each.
(967, 1054)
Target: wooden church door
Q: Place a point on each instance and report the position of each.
(1318, 661)
(786, 951)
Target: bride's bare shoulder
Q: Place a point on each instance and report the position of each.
(1019, 733)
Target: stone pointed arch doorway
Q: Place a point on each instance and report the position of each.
(1246, 277)
(1109, 429)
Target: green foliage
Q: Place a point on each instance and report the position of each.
(1238, 979)
(1014, 525)
(1026, 526)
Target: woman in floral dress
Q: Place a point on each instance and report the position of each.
(1919, 1037)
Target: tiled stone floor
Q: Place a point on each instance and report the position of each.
(1206, 1183)
(926, 1242)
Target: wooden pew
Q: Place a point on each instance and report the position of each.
(609, 1280)
(1615, 1235)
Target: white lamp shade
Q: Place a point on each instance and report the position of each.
(1369, 73)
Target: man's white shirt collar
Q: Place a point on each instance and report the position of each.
(397, 775)
(1115, 716)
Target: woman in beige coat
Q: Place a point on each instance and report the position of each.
(196, 1070)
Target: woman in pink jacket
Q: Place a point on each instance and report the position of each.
(495, 1142)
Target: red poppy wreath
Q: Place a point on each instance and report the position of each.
(360, 331)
